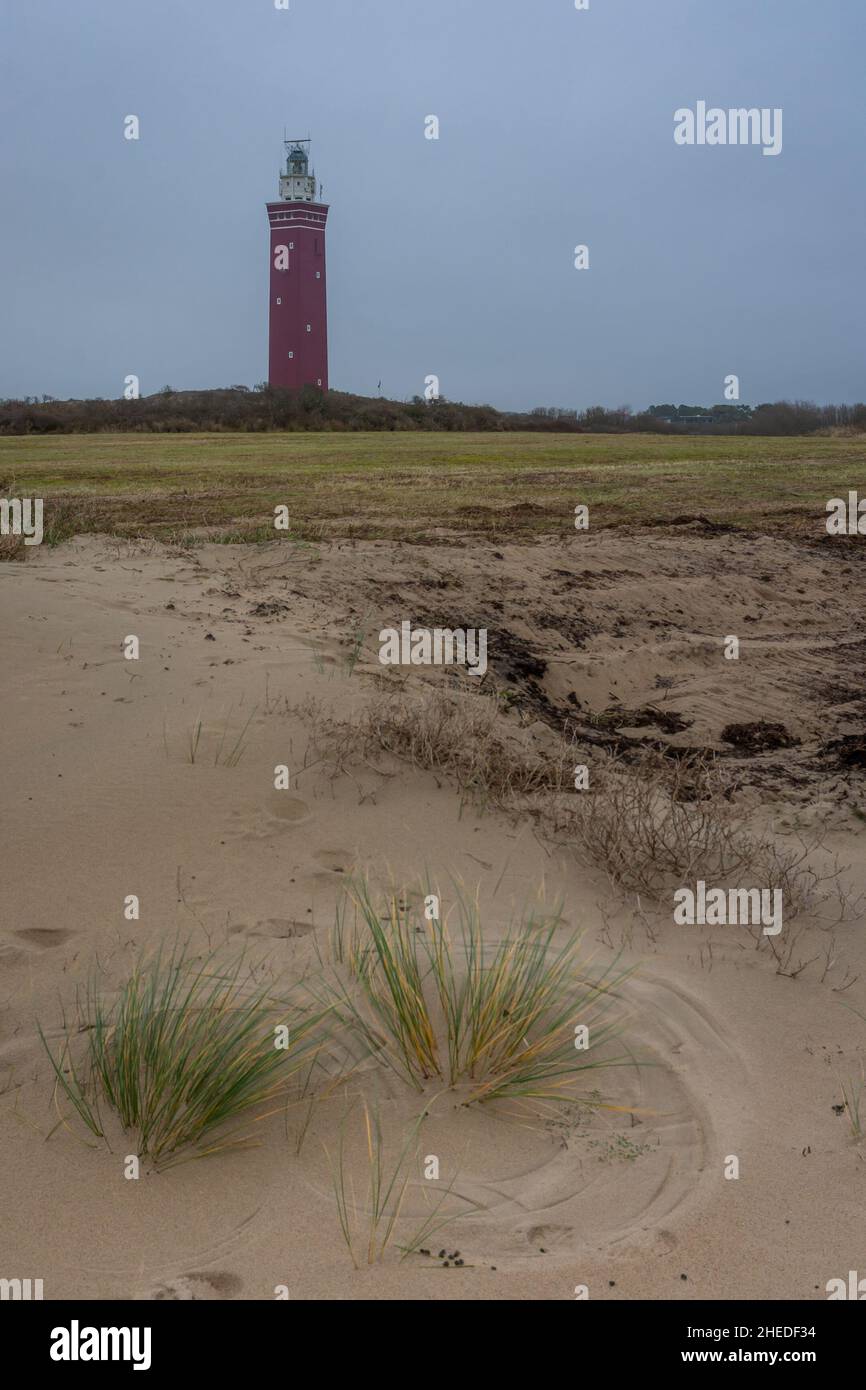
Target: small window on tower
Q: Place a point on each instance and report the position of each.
(291, 246)
(318, 275)
(279, 301)
(319, 382)
(291, 354)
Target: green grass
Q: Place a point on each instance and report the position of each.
(185, 1049)
(222, 756)
(853, 1089)
(371, 1223)
(413, 486)
(497, 1018)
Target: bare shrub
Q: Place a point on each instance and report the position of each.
(655, 822)
(658, 823)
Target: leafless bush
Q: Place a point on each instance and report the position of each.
(655, 823)
(660, 823)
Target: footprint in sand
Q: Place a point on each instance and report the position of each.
(276, 928)
(547, 1235)
(280, 812)
(197, 1288)
(287, 809)
(44, 938)
(338, 861)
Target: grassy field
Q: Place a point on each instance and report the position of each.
(419, 486)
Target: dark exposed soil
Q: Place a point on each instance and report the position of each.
(617, 638)
(757, 737)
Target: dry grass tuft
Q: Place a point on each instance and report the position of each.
(13, 548)
(463, 737)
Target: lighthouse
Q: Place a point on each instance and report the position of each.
(298, 314)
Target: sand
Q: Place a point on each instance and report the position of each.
(100, 800)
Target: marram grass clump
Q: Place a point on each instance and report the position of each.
(191, 1054)
(521, 1016)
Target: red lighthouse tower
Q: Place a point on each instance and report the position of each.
(298, 305)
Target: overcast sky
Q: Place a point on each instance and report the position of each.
(452, 257)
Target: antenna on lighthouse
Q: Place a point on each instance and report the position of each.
(298, 181)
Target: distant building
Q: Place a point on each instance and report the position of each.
(298, 312)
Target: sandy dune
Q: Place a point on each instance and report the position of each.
(621, 634)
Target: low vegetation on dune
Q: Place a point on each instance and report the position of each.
(369, 1220)
(444, 1003)
(190, 1053)
(464, 738)
(651, 822)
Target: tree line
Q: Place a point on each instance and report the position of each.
(265, 408)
